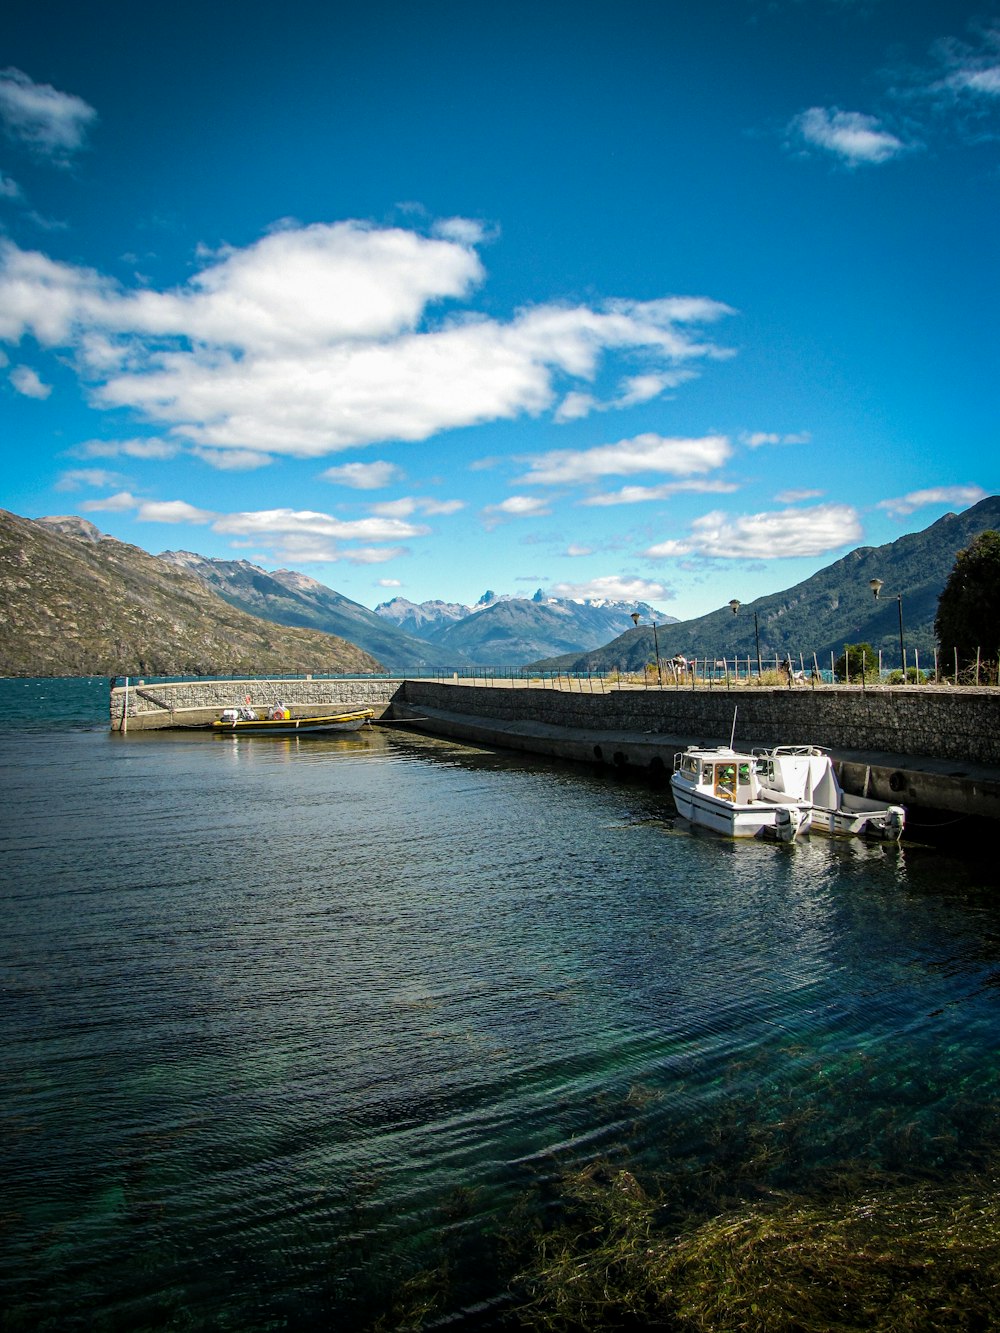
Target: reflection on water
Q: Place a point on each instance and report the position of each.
(287, 1019)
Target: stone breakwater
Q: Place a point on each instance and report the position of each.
(936, 722)
(933, 747)
(194, 703)
(938, 749)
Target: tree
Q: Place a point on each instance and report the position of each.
(848, 665)
(968, 613)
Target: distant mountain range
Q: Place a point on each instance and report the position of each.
(821, 614)
(505, 631)
(74, 602)
(77, 602)
(293, 599)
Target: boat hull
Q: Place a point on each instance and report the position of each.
(778, 823)
(293, 726)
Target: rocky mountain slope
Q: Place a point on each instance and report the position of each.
(74, 602)
(291, 598)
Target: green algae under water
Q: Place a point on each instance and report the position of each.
(306, 1032)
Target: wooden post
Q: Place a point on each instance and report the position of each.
(124, 726)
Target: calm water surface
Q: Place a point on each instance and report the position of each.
(287, 1020)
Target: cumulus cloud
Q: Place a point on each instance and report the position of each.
(612, 588)
(643, 453)
(151, 447)
(112, 504)
(630, 495)
(172, 511)
(363, 476)
(769, 536)
(27, 382)
(958, 496)
(321, 338)
(306, 522)
(94, 477)
(232, 460)
(855, 139)
(516, 506)
(52, 123)
(416, 504)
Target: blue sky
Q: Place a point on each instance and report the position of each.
(648, 300)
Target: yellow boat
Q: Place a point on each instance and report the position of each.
(278, 721)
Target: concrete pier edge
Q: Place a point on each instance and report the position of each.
(929, 747)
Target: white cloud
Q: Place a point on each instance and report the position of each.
(52, 123)
(172, 511)
(111, 504)
(363, 476)
(388, 583)
(232, 460)
(852, 137)
(416, 504)
(973, 70)
(139, 448)
(77, 477)
(612, 588)
(755, 439)
(519, 506)
(959, 496)
(575, 551)
(317, 339)
(630, 495)
(787, 532)
(792, 497)
(26, 381)
(985, 81)
(305, 522)
(9, 189)
(374, 555)
(643, 453)
(464, 231)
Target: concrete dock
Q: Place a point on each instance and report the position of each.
(932, 747)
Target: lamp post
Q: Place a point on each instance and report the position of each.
(876, 586)
(636, 617)
(734, 606)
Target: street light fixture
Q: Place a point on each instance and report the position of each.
(876, 586)
(734, 606)
(636, 617)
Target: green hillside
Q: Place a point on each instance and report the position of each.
(833, 607)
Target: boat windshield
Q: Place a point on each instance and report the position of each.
(731, 779)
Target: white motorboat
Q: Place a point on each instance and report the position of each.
(806, 773)
(720, 789)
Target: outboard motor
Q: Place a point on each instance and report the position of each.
(787, 819)
(895, 818)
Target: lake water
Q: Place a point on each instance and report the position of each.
(289, 1021)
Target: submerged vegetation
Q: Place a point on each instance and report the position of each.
(855, 1197)
(885, 1256)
